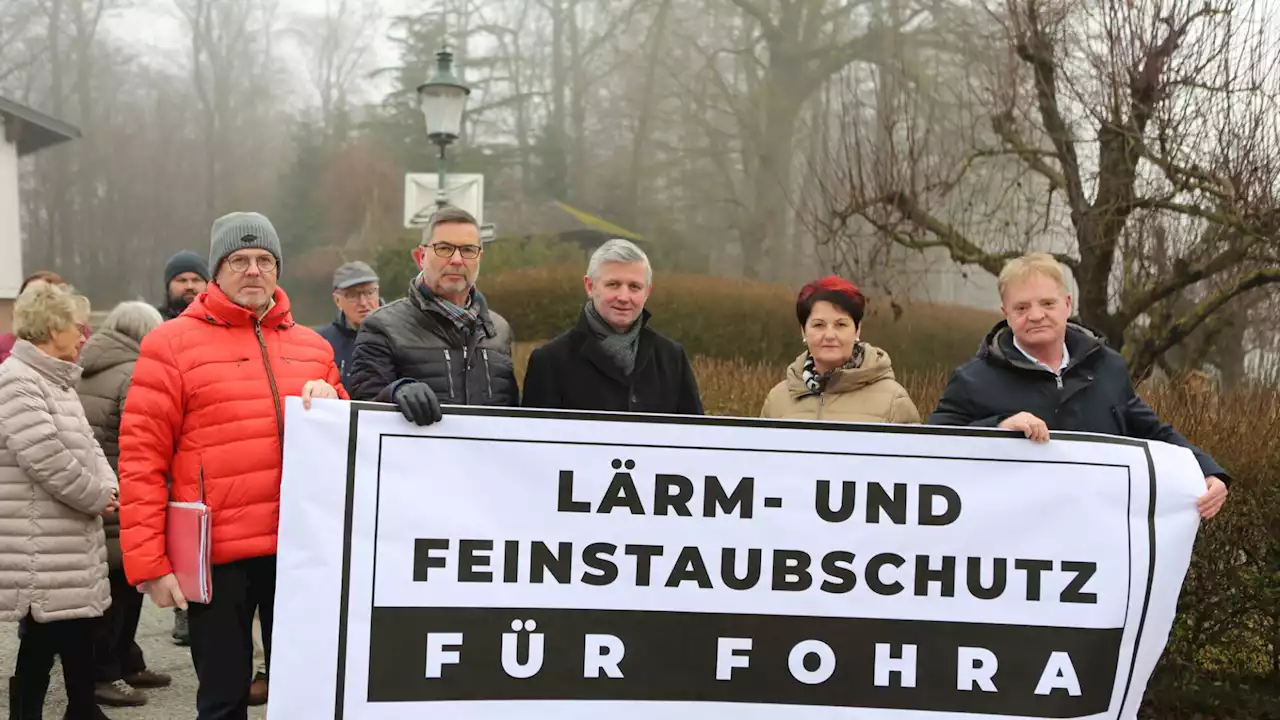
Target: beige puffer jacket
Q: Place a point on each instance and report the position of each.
(54, 481)
(867, 393)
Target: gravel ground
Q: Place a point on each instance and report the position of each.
(175, 702)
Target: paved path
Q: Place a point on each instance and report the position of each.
(176, 702)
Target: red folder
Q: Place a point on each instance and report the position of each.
(187, 530)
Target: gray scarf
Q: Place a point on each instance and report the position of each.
(620, 347)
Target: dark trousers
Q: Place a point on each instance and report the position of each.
(72, 640)
(222, 636)
(116, 654)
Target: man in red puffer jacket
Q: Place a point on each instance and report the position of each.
(207, 404)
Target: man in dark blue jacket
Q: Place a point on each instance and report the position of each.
(1037, 371)
(356, 293)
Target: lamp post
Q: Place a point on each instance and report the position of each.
(443, 99)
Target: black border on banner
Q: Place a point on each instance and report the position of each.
(716, 421)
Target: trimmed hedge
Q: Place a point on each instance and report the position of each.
(395, 267)
(731, 319)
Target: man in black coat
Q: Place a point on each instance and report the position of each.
(612, 360)
(441, 344)
(1037, 371)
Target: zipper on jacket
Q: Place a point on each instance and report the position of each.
(1058, 377)
(488, 378)
(466, 372)
(448, 369)
(271, 378)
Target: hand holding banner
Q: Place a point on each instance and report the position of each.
(547, 565)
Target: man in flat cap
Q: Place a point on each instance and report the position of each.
(356, 293)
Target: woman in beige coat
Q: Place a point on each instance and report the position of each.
(55, 484)
(839, 377)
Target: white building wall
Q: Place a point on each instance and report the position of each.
(10, 221)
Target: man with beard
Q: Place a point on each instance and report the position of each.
(186, 275)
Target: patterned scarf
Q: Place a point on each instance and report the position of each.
(464, 318)
(620, 347)
(817, 382)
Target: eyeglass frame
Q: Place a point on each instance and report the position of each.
(478, 249)
(372, 292)
(255, 260)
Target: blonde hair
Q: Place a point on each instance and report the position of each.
(133, 319)
(44, 309)
(1021, 268)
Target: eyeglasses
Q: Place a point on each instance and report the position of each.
(357, 294)
(240, 263)
(445, 250)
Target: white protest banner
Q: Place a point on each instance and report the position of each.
(524, 564)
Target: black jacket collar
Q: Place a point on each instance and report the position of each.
(998, 348)
(590, 347)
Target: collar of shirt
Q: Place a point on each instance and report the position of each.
(1066, 358)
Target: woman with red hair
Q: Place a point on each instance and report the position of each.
(838, 377)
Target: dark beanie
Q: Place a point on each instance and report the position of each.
(185, 262)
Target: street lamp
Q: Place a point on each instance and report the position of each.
(443, 99)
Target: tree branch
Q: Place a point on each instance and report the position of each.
(771, 31)
(1152, 347)
(1037, 50)
(1181, 276)
(1181, 175)
(1003, 125)
(960, 248)
(616, 23)
(830, 61)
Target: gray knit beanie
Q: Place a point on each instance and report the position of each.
(241, 230)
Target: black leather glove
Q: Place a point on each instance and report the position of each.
(417, 403)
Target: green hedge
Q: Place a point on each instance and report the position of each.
(396, 268)
(736, 319)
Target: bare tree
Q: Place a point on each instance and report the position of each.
(19, 28)
(782, 53)
(62, 80)
(642, 138)
(338, 43)
(232, 66)
(1122, 117)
